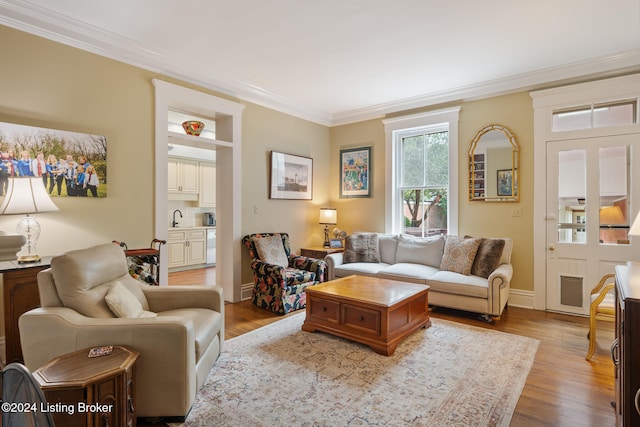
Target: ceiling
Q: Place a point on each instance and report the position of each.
(340, 61)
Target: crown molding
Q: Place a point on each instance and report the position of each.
(23, 16)
(577, 72)
(50, 25)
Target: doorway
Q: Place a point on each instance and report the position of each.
(589, 199)
(587, 191)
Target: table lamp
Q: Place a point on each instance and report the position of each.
(27, 195)
(328, 216)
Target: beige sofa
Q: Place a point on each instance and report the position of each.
(471, 274)
(177, 347)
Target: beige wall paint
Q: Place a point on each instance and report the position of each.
(51, 85)
(477, 218)
(264, 130)
(47, 84)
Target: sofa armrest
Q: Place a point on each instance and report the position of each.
(333, 260)
(501, 276)
(164, 298)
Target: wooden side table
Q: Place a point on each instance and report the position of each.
(319, 252)
(91, 391)
(20, 292)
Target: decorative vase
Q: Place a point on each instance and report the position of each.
(193, 127)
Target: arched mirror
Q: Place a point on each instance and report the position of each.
(494, 157)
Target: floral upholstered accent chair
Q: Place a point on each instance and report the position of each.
(280, 277)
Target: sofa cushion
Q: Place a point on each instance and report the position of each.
(406, 272)
(206, 325)
(459, 254)
(455, 283)
(420, 250)
(388, 244)
(271, 250)
(488, 257)
(361, 247)
(124, 304)
(83, 277)
(360, 268)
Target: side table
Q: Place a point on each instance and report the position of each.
(91, 391)
(319, 252)
(20, 292)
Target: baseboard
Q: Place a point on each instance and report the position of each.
(520, 298)
(246, 291)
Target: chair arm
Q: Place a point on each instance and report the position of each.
(333, 261)
(500, 277)
(165, 298)
(315, 265)
(602, 282)
(48, 332)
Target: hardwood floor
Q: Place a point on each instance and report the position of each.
(562, 389)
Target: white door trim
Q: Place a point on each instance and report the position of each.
(544, 103)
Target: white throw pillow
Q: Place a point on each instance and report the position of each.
(124, 304)
(271, 250)
(420, 250)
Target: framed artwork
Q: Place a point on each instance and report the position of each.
(355, 172)
(71, 164)
(335, 243)
(291, 177)
(504, 180)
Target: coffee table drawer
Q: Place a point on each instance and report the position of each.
(361, 318)
(322, 309)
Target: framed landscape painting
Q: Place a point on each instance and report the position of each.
(355, 172)
(291, 177)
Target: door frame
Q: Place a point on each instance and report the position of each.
(544, 103)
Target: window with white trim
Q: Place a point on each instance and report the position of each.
(422, 173)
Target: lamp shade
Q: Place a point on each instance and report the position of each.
(635, 227)
(328, 216)
(26, 195)
(611, 215)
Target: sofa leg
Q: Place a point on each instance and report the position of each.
(489, 319)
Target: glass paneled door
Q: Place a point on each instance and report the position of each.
(592, 200)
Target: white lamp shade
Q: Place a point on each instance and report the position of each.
(26, 195)
(635, 227)
(328, 216)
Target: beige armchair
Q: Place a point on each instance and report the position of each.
(179, 334)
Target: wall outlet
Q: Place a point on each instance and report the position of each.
(516, 211)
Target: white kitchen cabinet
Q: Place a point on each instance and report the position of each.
(186, 247)
(183, 179)
(207, 195)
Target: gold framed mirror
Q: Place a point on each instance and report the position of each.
(494, 157)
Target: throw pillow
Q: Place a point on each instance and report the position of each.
(459, 254)
(361, 247)
(271, 250)
(124, 304)
(420, 250)
(488, 257)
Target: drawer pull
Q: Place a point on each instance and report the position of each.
(130, 404)
(361, 317)
(324, 308)
(637, 401)
(614, 357)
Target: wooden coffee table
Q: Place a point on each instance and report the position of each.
(376, 312)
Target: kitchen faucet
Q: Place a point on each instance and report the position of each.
(174, 223)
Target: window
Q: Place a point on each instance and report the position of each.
(618, 113)
(424, 180)
(422, 169)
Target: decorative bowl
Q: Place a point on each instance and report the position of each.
(193, 127)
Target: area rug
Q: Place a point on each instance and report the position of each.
(446, 375)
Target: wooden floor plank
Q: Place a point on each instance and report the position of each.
(563, 389)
